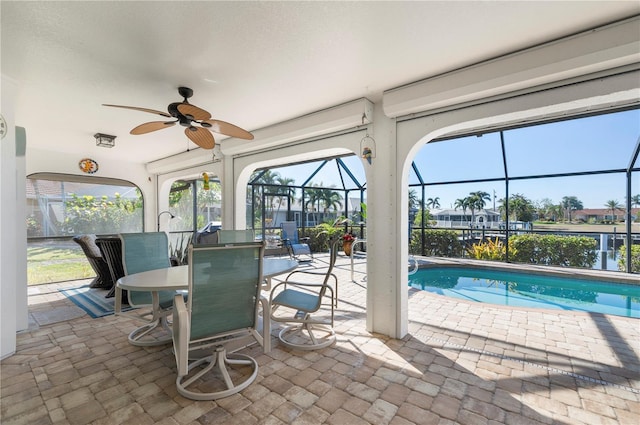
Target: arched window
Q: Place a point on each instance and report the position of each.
(60, 206)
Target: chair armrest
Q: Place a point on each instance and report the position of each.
(312, 273)
(292, 303)
(302, 285)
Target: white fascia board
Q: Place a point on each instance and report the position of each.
(181, 161)
(337, 118)
(598, 50)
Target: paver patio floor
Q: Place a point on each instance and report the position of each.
(461, 362)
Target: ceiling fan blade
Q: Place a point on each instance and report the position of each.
(148, 127)
(200, 137)
(135, 108)
(198, 114)
(222, 127)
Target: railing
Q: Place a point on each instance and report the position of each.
(608, 243)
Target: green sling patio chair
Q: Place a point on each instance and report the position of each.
(143, 252)
(231, 236)
(300, 295)
(219, 318)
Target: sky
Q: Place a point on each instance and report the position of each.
(603, 142)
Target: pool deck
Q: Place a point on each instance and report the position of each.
(461, 363)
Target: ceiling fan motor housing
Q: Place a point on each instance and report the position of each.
(185, 92)
(184, 120)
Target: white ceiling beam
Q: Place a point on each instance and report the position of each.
(348, 115)
(601, 49)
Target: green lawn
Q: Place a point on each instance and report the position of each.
(55, 262)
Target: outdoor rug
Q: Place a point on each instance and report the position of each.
(92, 300)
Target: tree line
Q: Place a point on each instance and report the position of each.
(520, 207)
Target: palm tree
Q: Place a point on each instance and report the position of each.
(313, 200)
(267, 178)
(462, 203)
(521, 207)
(331, 199)
(284, 190)
(413, 199)
(477, 201)
(433, 202)
(613, 205)
(544, 208)
(571, 203)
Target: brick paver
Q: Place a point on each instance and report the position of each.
(462, 363)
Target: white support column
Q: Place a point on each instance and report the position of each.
(20, 242)
(232, 210)
(13, 275)
(386, 240)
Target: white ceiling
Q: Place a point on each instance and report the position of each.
(250, 63)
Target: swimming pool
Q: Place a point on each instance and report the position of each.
(505, 287)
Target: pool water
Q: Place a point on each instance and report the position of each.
(530, 290)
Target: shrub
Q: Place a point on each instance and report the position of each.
(440, 243)
(635, 258)
(320, 236)
(490, 250)
(33, 226)
(554, 250)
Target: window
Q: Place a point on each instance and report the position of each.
(61, 206)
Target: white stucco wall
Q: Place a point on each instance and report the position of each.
(13, 272)
(39, 161)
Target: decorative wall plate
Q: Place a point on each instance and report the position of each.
(88, 165)
(3, 127)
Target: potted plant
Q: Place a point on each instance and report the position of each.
(347, 242)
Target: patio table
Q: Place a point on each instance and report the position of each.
(177, 278)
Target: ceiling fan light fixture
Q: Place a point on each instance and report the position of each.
(105, 140)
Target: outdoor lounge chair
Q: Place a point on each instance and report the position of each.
(298, 247)
(96, 260)
(143, 252)
(111, 249)
(300, 295)
(220, 317)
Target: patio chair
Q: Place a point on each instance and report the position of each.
(143, 252)
(297, 247)
(207, 238)
(219, 318)
(96, 261)
(111, 249)
(231, 236)
(300, 295)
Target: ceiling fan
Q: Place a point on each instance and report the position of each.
(188, 116)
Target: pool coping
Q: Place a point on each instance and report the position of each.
(587, 274)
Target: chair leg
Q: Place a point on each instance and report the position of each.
(136, 337)
(220, 359)
(311, 341)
